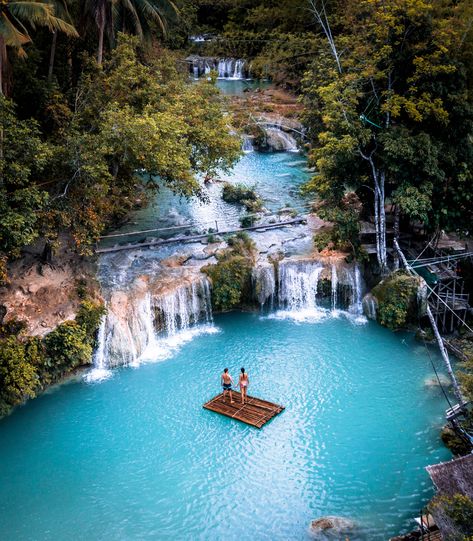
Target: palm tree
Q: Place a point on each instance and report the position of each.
(138, 16)
(135, 16)
(62, 11)
(15, 18)
(102, 14)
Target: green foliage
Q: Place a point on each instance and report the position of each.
(89, 316)
(345, 233)
(396, 105)
(24, 157)
(397, 300)
(243, 195)
(18, 379)
(29, 364)
(465, 375)
(247, 220)
(231, 276)
(456, 513)
(133, 117)
(67, 347)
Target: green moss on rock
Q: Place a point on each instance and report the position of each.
(397, 300)
(231, 276)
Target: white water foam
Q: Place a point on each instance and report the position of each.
(166, 347)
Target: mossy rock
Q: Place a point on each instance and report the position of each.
(231, 276)
(397, 298)
(451, 440)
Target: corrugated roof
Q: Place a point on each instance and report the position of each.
(453, 477)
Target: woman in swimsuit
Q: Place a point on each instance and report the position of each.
(243, 383)
(227, 382)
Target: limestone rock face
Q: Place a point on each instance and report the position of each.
(331, 527)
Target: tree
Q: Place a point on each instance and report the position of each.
(62, 10)
(379, 112)
(132, 117)
(16, 16)
(24, 157)
(135, 16)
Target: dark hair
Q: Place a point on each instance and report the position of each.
(242, 370)
(225, 369)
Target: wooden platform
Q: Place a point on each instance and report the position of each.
(255, 412)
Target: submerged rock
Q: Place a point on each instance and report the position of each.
(331, 527)
(433, 381)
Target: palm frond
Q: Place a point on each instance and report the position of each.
(40, 14)
(12, 36)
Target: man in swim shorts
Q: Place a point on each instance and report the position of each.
(227, 382)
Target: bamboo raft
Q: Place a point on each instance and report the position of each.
(255, 412)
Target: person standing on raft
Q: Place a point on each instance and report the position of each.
(243, 383)
(227, 382)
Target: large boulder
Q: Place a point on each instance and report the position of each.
(331, 527)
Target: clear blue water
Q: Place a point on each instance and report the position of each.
(136, 457)
(240, 87)
(276, 177)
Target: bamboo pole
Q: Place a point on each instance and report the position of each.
(443, 351)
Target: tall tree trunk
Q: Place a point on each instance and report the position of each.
(101, 36)
(47, 255)
(382, 220)
(397, 217)
(51, 56)
(2, 58)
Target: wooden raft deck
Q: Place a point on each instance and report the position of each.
(255, 412)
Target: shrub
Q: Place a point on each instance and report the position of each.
(456, 515)
(231, 276)
(242, 195)
(397, 300)
(67, 347)
(18, 377)
(89, 316)
(247, 220)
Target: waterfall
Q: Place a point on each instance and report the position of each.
(238, 71)
(356, 305)
(227, 68)
(298, 287)
(370, 306)
(185, 306)
(247, 145)
(100, 370)
(334, 288)
(151, 326)
(277, 139)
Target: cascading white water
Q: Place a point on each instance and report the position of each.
(247, 144)
(238, 71)
(151, 327)
(298, 288)
(184, 307)
(100, 370)
(277, 139)
(227, 68)
(334, 288)
(356, 306)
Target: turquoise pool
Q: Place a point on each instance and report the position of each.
(136, 456)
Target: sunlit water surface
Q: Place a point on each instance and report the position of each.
(136, 456)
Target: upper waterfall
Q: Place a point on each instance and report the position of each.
(227, 68)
